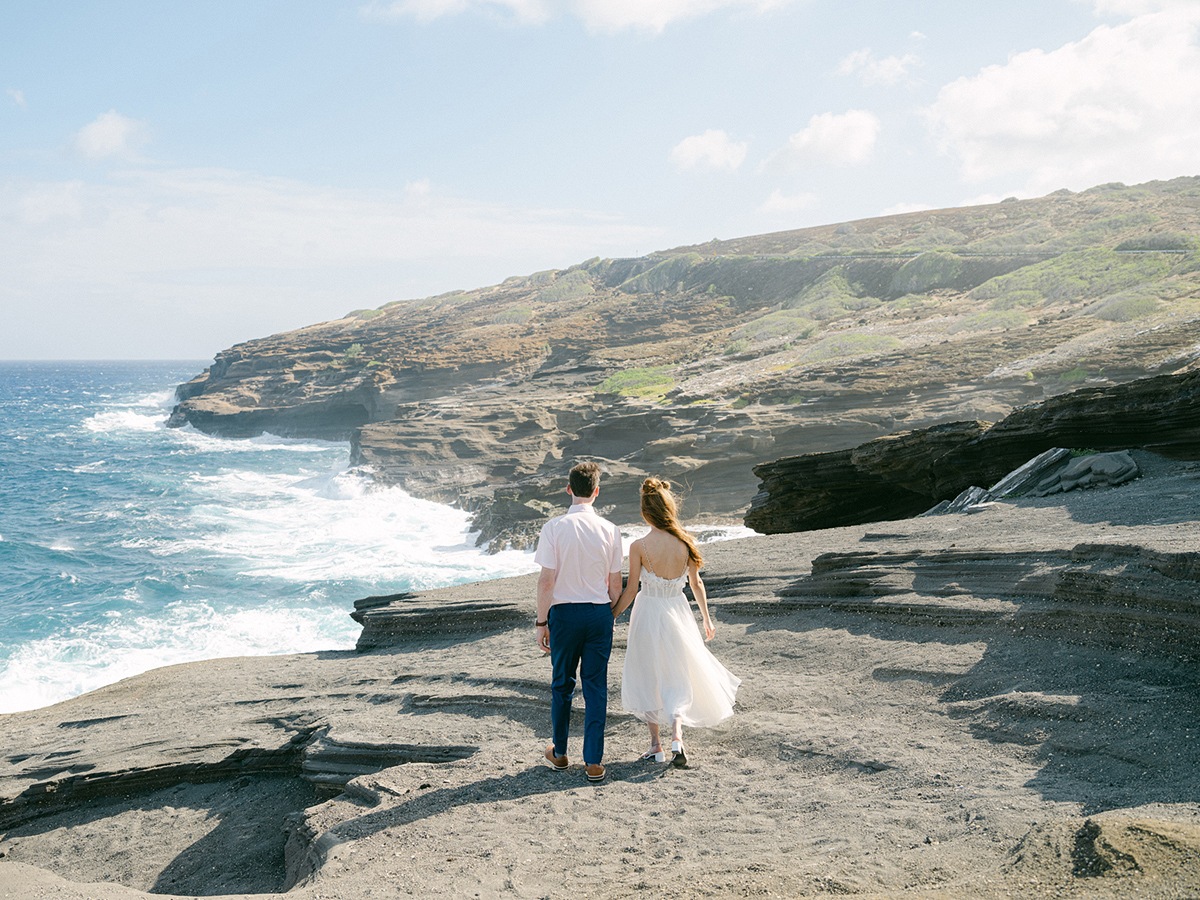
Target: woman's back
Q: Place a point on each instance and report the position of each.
(667, 556)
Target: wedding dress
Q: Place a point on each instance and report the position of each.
(669, 673)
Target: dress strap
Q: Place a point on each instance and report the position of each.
(646, 556)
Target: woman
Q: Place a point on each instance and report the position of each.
(670, 678)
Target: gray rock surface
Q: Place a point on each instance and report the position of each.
(902, 474)
(953, 707)
(1094, 470)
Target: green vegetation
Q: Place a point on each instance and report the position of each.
(365, 313)
(1166, 240)
(1022, 299)
(645, 382)
(912, 301)
(354, 351)
(1029, 235)
(837, 346)
(926, 272)
(737, 347)
(1124, 307)
(569, 286)
(781, 323)
(514, 315)
(934, 238)
(1077, 275)
(1076, 374)
(662, 277)
(831, 297)
(1101, 231)
(989, 320)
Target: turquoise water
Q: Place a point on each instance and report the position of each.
(125, 545)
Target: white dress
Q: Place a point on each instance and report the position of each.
(668, 672)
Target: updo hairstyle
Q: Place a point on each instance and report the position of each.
(661, 509)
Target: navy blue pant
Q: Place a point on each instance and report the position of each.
(580, 637)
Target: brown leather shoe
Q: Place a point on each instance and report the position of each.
(595, 772)
(558, 762)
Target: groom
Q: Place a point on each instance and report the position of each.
(580, 556)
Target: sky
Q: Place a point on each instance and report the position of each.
(178, 177)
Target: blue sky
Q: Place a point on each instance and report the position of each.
(175, 178)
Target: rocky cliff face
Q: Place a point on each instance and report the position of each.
(700, 362)
(901, 475)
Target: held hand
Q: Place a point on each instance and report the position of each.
(709, 631)
(543, 638)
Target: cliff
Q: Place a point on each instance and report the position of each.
(700, 362)
(905, 474)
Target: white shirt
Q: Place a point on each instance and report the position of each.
(583, 548)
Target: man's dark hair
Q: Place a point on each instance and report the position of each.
(584, 478)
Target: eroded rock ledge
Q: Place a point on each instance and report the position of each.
(905, 474)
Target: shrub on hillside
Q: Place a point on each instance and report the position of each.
(831, 297)
(1166, 240)
(1076, 276)
(567, 287)
(514, 315)
(838, 346)
(926, 272)
(643, 382)
(781, 323)
(990, 320)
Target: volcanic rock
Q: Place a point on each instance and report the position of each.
(901, 475)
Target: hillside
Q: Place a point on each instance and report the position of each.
(699, 362)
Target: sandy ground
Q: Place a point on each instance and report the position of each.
(875, 750)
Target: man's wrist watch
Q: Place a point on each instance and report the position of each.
(540, 624)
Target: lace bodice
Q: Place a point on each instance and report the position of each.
(654, 585)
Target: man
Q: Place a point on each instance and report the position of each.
(580, 556)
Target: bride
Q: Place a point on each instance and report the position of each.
(670, 678)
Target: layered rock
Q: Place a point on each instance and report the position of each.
(700, 362)
(904, 474)
(982, 707)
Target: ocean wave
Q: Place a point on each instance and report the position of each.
(59, 666)
(337, 526)
(190, 438)
(124, 420)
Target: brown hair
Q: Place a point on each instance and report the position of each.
(661, 509)
(584, 479)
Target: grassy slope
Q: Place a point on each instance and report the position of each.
(744, 320)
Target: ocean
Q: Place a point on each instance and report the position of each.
(126, 545)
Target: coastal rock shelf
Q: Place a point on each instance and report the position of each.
(1117, 595)
(904, 474)
(980, 705)
(699, 363)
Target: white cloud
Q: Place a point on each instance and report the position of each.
(711, 150)
(18, 97)
(1136, 7)
(110, 135)
(150, 261)
(599, 15)
(888, 70)
(848, 137)
(421, 188)
(780, 202)
(1121, 104)
(529, 11)
(655, 15)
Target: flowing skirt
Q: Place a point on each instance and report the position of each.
(669, 673)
